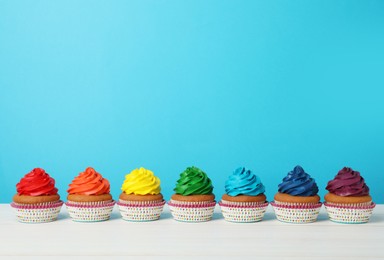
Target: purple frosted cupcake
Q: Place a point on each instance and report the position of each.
(348, 200)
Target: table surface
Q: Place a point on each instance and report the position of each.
(169, 239)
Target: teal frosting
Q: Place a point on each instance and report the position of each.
(244, 182)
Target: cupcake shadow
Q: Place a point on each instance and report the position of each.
(269, 216)
(115, 216)
(323, 216)
(62, 216)
(376, 218)
(217, 216)
(165, 215)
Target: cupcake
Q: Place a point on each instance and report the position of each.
(36, 200)
(297, 200)
(244, 200)
(141, 199)
(193, 200)
(89, 199)
(348, 200)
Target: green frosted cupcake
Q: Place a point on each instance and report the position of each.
(193, 200)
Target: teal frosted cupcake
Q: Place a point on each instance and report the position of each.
(244, 200)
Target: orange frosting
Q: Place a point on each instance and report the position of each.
(89, 182)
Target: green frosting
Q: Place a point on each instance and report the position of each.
(193, 181)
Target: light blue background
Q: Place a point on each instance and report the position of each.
(167, 84)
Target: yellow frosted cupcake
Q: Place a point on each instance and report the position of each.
(141, 199)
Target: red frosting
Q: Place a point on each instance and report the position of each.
(36, 183)
(348, 183)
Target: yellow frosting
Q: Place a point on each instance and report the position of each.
(141, 182)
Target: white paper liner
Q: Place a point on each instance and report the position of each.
(140, 210)
(37, 213)
(296, 213)
(90, 211)
(243, 212)
(349, 214)
(192, 211)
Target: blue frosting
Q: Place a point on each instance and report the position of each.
(298, 183)
(244, 182)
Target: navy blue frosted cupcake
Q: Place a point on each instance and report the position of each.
(244, 200)
(297, 200)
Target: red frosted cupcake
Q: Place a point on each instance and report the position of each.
(36, 200)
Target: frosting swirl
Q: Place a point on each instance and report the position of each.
(348, 182)
(141, 182)
(89, 182)
(193, 181)
(298, 183)
(244, 182)
(36, 183)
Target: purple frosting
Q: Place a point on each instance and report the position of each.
(348, 182)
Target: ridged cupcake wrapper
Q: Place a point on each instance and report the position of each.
(354, 205)
(149, 203)
(37, 213)
(90, 211)
(296, 205)
(190, 204)
(296, 213)
(243, 212)
(90, 204)
(192, 211)
(140, 210)
(349, 214)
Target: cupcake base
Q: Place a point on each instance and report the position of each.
(188, 211)
(140, 211)
(299, 213)
(90, 211)
(243, 212)
(349, 214)
(37, 213)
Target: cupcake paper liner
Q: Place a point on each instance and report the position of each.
(90, 211)
(299, 213)
(140, 210)
(349, 214)
(192, 211)
(243, 212)
(37, 213)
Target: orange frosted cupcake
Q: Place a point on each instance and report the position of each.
(89, 198)
(36, 200)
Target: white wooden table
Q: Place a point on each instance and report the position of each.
(169, 239)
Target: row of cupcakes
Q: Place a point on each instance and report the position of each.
(297, 200)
